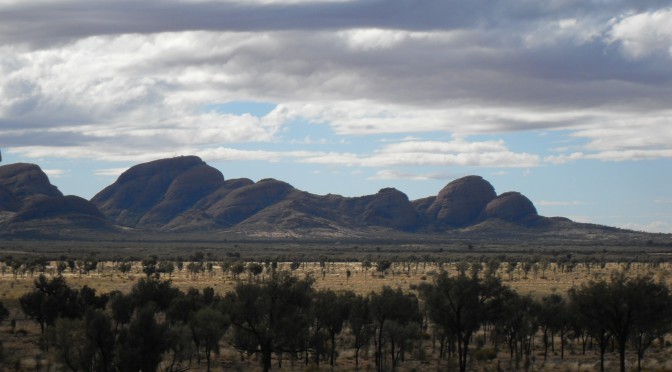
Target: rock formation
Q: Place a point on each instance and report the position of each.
(461, 202)
(154, 193)
(29, 199)
(186, 194)
(511, 206)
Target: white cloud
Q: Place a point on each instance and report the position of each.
(143, 82)
(653, 226)
(433, 153)
(54, 173)
(109, 172)
(388, 174)
(641, 35)
(551, 203)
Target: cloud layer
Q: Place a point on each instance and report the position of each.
(98, 80)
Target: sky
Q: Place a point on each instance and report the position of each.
(565, 101)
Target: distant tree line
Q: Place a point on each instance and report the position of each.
(284, 319)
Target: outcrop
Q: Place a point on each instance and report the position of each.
(186, 194)
(391, 208)
(28, 199)
(511, 206)
(461, 202)
(152, 194)
(26, 181)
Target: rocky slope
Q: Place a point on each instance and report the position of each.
(29, 200)
(185, 194)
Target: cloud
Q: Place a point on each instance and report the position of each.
(641, 35)
(551, 203)
(653, 227)
(433, 153)
(54, 173)
(388, 174)
(109, 172)
(95, 80)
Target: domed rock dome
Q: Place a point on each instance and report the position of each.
(510, 206)
(462, 201)
(391, 208)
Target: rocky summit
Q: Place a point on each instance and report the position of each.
(184, 194)
(29, 200)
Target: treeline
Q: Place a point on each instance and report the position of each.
(233, 263)
(284, 319)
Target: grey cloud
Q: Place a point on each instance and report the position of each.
(485, 60)
(38, 23)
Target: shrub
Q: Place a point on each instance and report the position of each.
(485, 354)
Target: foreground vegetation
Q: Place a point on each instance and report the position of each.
(458, 315)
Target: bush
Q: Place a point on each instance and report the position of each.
(485, 354)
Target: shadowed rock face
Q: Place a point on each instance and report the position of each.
(391, 208)
(243, 202)
(25, 191)
(8, 202)
(461, 202)
(70, 207)
(184, 193)
(510, 206)
(152, 194)
(26, 181)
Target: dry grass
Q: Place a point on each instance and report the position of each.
(21, 343)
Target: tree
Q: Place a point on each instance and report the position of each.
(208, 327)
(149, 265)
(166, 267)
(271, 316)
(518, 322)
(147, 290)
(84, 344)
(383, 266)
(122, 307)
(391, 311)
(627, 308)
(237, 269)
(653, 303)
(329, 311)
(360, 322)
(141, 346)
(589, 303)
(4, 313)
(554, 317)
(51, 299)
(461, 305)
(255, 269)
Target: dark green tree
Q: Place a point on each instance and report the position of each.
(51, 299)
(461, 305)
(271, 316)
(141, 346)
(392, 310)
(627, 308)
(208, 327)
(84, 344)
(360, 323)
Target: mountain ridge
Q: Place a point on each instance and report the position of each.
(185, 195)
